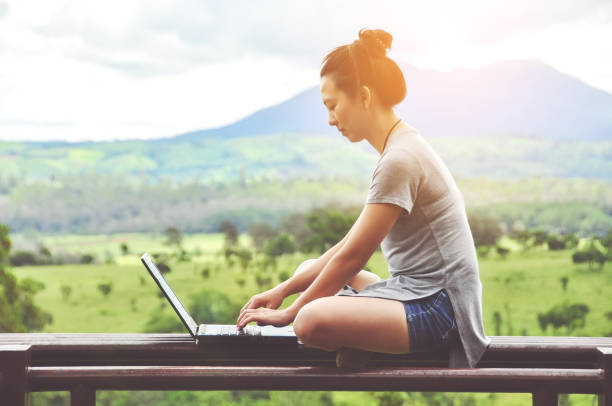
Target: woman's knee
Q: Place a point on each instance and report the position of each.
(304, 265)
(310, 322)
(363, 279)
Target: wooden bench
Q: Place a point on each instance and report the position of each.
(84, 363)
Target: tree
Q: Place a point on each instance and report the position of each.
(555, 243)
(591, 253)
(539, 237)
(211, 306)
(327, 227)
(87, 259)
(173, 236)
(283, 244)
(485, 229)
(230, 231)
(260, 233)
(5, 244)
(124, 249)
(18, 313)
(105, 288)
(564, 281)
(571, 316)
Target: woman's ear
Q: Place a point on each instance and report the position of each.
(366, 97)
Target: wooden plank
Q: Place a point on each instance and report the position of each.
(605, 363)
(179, 349)
(316, 378)
(545, 397)
(14, 361)
(82, 395)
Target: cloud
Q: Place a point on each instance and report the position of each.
(492, 22)
(3, 10)
(170, 37)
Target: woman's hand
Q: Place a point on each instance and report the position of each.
(270, 299)
(264, 317)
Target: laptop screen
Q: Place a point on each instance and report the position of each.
(163, 285)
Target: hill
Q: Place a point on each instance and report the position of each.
(513, 98)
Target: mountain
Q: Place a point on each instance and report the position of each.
(524, 98)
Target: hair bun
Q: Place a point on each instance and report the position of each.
(378, 42)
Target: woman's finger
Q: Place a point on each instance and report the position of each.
(248, 304)
(241, 323)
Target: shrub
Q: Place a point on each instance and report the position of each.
(564, 315)
(66, 291)
(555, 243)
(87, 258)
(282, 244)
(23, 258)
(211, 306)
(105, 288)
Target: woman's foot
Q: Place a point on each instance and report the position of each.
(352, 358)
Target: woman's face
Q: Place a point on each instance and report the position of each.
(345, 113)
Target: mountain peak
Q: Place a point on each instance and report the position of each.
(522, 97)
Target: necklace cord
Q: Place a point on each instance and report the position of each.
(389, 133)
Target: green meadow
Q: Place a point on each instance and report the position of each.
(517, 287)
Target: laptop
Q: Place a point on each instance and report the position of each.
(216, 332)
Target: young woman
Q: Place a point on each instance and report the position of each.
(414, 210)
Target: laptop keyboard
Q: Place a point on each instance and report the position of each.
(232, 330)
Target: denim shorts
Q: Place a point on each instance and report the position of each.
(431, 322)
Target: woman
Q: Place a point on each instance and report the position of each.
(414, 210)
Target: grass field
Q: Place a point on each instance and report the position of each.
(518, 287)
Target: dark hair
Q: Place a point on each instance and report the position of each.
(365, 62)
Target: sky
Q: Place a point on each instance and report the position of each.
(78, 70)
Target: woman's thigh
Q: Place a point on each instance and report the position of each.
(367, 323)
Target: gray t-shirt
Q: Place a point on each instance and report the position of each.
(430, 246)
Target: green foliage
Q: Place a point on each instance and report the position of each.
(31, 285)
(21, 258)
(592, 253)
(105, 288)
(5, 244)
(66, 291)
(485, 229)
(502, 251)
(327, 226)
(162, 260)
(213, 307)
(230, 231)
(124, 248)
(555, 242)
(564, 281)
(570, 316)
(282, 244)
(260, 233)
(18, 313)
(159, 322)
(173, 236)
(87, 258)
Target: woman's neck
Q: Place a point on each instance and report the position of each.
(379, 131)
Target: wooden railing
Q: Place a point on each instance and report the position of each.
(84, 363)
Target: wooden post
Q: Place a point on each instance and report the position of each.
(545, 397)
(82, 395)
(605, 363)
(14, 363)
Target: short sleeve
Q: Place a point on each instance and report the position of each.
(396, 180)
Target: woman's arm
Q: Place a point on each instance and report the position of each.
(371, 227)
(273, 298)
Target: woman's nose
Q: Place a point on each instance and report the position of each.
(332, 120)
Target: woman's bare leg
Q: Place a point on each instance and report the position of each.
(370, 324)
